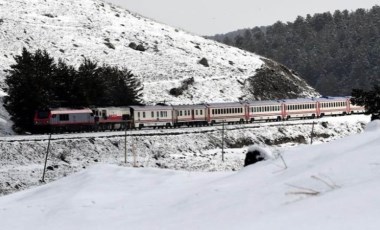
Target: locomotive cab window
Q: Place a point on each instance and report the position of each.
(63, 117)
(43, 115)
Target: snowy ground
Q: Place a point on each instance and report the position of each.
(192, 149)
(326, 186)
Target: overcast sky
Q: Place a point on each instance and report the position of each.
(209, 17)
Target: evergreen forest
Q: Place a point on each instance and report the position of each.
(37, 82)
(334, 52)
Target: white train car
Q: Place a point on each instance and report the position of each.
(300, 108)
(112, 118)
(328, 106)
(190, 115)
(155, 116)
(264, 111)
(226, 112)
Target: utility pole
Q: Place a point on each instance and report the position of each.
(125, 144)
(223, 141)
(312, 134)
(46, 157)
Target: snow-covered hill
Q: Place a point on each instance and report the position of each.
(329, 186)
(72, 29)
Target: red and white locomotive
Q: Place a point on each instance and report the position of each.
(158, 116)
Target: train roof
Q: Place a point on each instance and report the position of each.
(197, 106)
(151, 107)
(299, 100)
(266, 102)
(329, 99)
(225, 104)
(69, 110)
(113, 107)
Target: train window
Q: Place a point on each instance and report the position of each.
(196, 112)
(143, 114)
(200, 112)
(138, 114)
(43, 115)
(152, 114)
(158, 114)
(161, 114)
(63, 117)
(180, 113)
(188, 113)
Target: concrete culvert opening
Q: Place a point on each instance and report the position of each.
(255, 154)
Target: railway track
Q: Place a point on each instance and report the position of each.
(156, 132)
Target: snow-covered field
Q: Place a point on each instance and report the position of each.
(192, 149)
(326, 186)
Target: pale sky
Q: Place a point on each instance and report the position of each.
(209, 17)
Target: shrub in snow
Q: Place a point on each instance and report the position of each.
(132, 45)
(375, 116)
(184, 86)
(140, 48)
(204, 62)
(256, 154)
(109, 45)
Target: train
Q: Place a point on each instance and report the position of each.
(59, 120)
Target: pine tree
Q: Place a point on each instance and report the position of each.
(369, 99)
(29, 87)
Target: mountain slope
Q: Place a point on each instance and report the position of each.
(166, 57)
(74, 29)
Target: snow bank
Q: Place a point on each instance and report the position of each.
(373, 126)
(328, 186)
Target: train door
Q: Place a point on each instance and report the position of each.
(283, 110)
(348, 106)
(318, 106)
(104, 114)
(192, 114)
